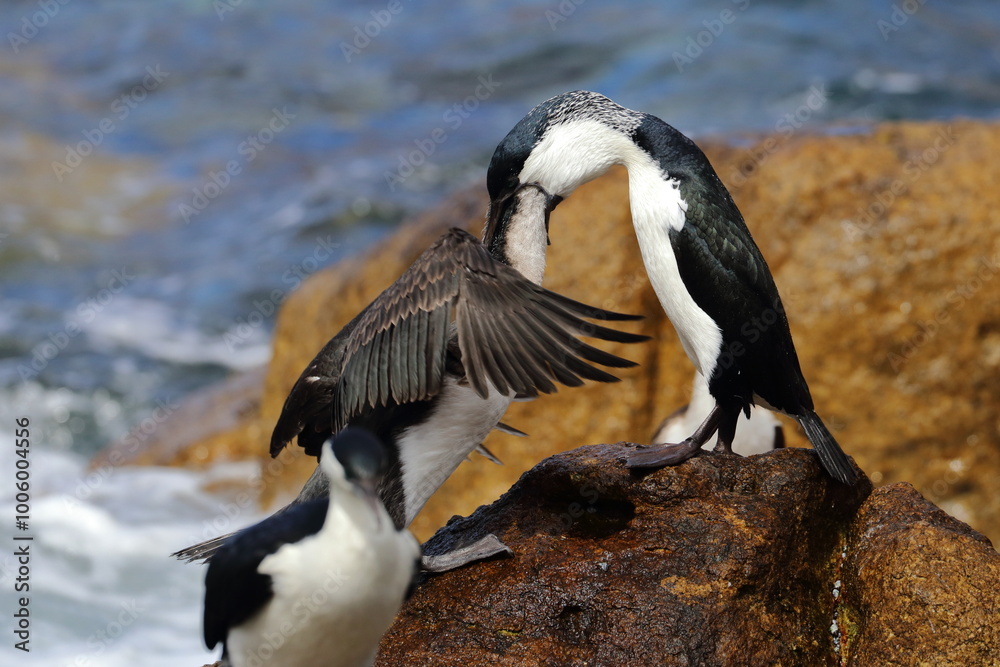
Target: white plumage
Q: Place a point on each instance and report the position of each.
(334, 592)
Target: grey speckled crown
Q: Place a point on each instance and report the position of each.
(584, 104)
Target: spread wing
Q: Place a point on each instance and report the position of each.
(511, 334)
(306, 412)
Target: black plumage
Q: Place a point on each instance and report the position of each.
(234, 590)
(727, 276)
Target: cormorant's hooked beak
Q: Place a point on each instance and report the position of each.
(501, 208)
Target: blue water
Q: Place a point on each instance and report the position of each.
(169, 167)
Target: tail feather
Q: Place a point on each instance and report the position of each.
(317, 486)
(833, 458)
(203, 551)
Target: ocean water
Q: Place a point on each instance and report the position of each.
(102, 591)
(172, 170)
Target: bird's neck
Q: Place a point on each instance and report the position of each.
(520, 239)
(351, 512)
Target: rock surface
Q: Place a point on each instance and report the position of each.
(719, 561)
(885, 248)
(919, 587)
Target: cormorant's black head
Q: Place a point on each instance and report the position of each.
(504, 174)
(562, 143)
(361, 454)
(359, 460)
(502, 178)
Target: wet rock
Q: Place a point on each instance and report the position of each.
(719, 561)
(886, 250)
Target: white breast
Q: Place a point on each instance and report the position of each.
(430, 451)
(657, 207)
(335, 594)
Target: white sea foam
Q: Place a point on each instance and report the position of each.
(104, 589)
(153, 328)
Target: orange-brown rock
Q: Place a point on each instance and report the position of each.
(719, 561)
(885, 248)
(919, 587)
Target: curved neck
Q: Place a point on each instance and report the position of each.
(517, 233)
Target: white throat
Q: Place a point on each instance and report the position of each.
(526, 236)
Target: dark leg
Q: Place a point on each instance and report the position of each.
(727, 431)
(487, 547)
(657, 456)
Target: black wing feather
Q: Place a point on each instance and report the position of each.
(234, 589)
(728, 278)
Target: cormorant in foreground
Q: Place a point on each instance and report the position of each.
(319, 584)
